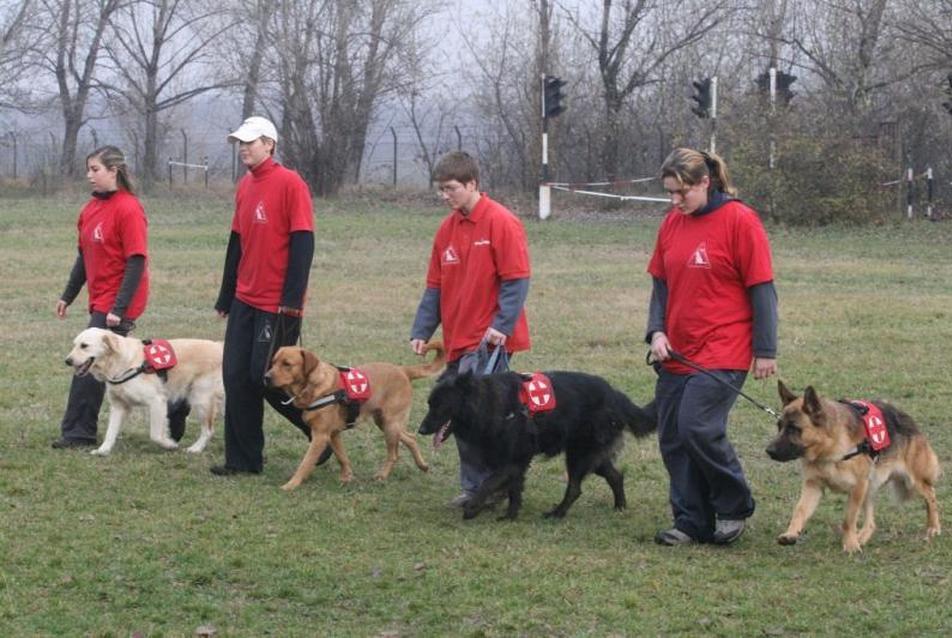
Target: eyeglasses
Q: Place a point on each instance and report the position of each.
(446, 189)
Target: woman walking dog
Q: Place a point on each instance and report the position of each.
(113, 264)
(713, 302)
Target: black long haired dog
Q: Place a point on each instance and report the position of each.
(586, 424)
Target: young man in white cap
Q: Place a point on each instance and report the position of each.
(263, 290)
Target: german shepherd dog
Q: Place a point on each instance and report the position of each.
(305, 377)
(586, 424)
(821, 432)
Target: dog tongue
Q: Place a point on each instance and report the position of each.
(440, 436)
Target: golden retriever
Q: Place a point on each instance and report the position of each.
(114, 360)
(303, 376)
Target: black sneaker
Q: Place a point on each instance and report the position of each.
(728, 531)
(63, 443)
(673, 537)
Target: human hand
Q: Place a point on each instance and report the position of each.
(418, 346)
(113, 320)
(660, 346)
(288, 311)
(764, 368)
(61, 307)
(494, 337)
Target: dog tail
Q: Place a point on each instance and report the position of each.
(640, 421)
(428, 369)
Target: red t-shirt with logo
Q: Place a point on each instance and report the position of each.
(708, 262)
(110, 231)
(271, 202)
(472, 254)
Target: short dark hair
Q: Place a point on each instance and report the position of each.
(458, 165)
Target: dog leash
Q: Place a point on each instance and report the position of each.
(680, 358)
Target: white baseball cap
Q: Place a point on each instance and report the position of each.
(253, 128)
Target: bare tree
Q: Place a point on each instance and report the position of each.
(631, 44)
(158, 51)
(71, 43)
(928, 27)
(842, 43)
(14, 23)
(336, 59)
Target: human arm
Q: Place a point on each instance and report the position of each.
(654, 334)
(229, 278)
(512, 298)
(300, 257)
(426, 320)
(131, 278)
(77, 277)
(763, 300)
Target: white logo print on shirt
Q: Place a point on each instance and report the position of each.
(97, 233)
(699, 257)
(260, 217)
(450, 256)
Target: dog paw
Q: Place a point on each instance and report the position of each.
(788, 539)
(167, 444)
(289, 486)
(555, 513)
(506, 517)
(852, 546)
(469, 512)
(347, 478)
(101, 451)
(194, 449)
(932, 532)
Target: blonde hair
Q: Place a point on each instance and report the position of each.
(689, 167)
(111, 157)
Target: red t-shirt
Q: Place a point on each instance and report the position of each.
(110, 231)
(271, 203)
(471, 255)
(708, 263)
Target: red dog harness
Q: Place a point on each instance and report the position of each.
(877, 435)
(537, 393)
(159, 355)
(355, 391)
(158, 358)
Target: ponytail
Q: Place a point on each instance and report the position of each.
(689, 167)
(111, 157)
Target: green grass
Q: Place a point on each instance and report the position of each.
(148, 543)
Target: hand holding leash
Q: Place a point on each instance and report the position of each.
(660, 347)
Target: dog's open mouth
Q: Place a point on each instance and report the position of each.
(83, 370)
(442, 434)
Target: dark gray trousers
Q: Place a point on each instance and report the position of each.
(251, 337)
(707, 480)
(86, 394)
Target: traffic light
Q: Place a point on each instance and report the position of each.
(702, 96)
(784, 80)
(948, 91)
(552, 96)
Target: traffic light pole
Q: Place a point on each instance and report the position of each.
(545, 191)
(714, 114)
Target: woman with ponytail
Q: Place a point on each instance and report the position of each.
(113, 264)
(713, 302)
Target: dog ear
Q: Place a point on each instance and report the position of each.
(813, 406)
(110, 341)
(311, 362)
(786, 396)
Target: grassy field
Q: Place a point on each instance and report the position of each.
(149, 543)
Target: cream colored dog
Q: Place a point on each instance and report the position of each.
(115, 359)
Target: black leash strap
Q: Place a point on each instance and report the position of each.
(677, 356)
